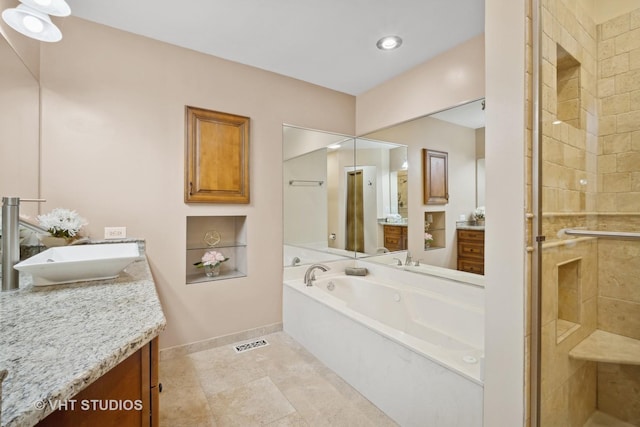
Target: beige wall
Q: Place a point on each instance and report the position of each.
(28, 49)
(452, 78)
(113, 148)
(19, 129)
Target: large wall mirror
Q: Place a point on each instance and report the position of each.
(320, 168)
(459, 132)
(339, 191)
(19, 129)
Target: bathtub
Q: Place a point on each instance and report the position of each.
(413, 352)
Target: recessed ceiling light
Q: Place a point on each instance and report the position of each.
(389, 43)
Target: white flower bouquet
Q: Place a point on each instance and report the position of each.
(63, 223)
(211, 258)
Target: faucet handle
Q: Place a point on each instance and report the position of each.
(34, 200)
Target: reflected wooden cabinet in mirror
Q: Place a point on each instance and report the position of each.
(435, 177)
(471, 251)
(395, 238)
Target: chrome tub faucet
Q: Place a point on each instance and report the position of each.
(310, 275)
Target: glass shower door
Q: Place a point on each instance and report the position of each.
(589, 277)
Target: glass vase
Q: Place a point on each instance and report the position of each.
(212, 270)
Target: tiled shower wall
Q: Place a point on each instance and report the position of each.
(618, 204)
(569, 186)
(619, 98)
(591, 178)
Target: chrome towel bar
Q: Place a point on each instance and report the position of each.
(619, 235)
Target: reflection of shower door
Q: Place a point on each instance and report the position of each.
(355, 212)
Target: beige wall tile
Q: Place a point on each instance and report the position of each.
(629, 162)
(635, 141)
(606, 87)
(607, 163)
(574, 158)
(616, 182)
(582, 394)
(619, 317)
(626, 42)
(635, 182)
(628, 122)
(606, 49)
(634, 100)
(618, 267)
(617, 64)
(634, 59)
(615, 27)
(618, 143)
(619, 391)
(628, 202)
(628, 82)
(634, 19)
(607, 125)
(553, 150)
(555, 408)
(616, 104)
(569, 110)
(606, 202)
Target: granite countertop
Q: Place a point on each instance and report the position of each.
(56, 340)
(396, 224)
(469, 225)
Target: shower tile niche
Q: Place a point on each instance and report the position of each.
(569, 298)
(568, 88)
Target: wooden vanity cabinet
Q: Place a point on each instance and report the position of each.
(134, 381)
(395, 238)
(471, 251)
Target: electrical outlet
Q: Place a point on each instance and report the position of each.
(115, 232)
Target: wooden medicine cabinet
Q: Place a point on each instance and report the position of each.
(216, 158)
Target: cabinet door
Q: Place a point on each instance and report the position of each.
(217, 157)
(121, 397)
(435, 177)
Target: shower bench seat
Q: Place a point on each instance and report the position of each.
(606, 347)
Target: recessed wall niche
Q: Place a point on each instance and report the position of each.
(568, 88)
(569, 296)
(224, 234)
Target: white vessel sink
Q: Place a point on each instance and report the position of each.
(66, 264)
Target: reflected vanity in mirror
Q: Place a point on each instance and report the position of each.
(344, 197)
(19, 129)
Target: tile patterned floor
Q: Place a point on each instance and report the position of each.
(277, 385)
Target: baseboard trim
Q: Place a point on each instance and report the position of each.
(184, 349)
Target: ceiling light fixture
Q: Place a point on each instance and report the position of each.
(389, 43)
(32, 18)
(50, 7)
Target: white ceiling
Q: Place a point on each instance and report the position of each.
(331, 43)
